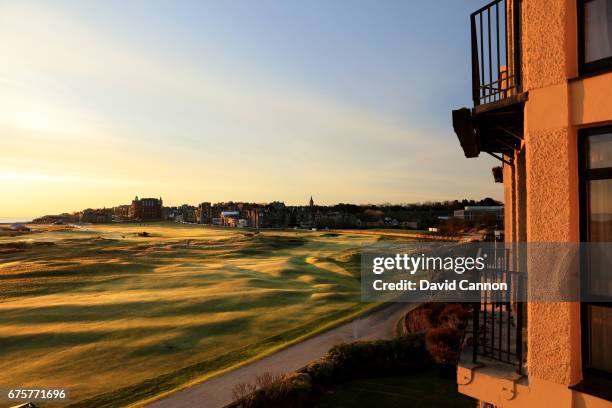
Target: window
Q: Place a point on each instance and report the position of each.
(595, 35)
(596, 226)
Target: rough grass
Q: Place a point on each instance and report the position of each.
(200, 371)
(100, 308)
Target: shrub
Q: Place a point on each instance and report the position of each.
(343, 362)
(273, 391)
(243, 394)
(320, 371)
(443, 344)
(300, 382)
(431, 315)
(270, 390)
(434, 311)
(454, 315)
(367, 358)
(268, 379)
(417, 320)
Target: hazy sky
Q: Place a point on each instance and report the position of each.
(348, 101)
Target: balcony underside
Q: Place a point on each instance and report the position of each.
(494, 128)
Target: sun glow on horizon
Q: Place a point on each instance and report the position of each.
(90, 118)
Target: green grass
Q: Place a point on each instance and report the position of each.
(419, 390)
(179, 378)
(97, 309)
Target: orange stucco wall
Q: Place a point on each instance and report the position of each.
(544, 42)
(559, 104)
(590, 100)
(552, 189)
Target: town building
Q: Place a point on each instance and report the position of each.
(169, 213)
(58, 219)
(256, 217)
(204, 213)
(186, 213)
(481, 213)
(230, 218)
(96, 216)
(121, 211)
(146, 209)
(542, 105)
(410, 224)
(271, 215)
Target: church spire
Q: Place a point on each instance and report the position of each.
(311, 202)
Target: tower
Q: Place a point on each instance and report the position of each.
(312, 212)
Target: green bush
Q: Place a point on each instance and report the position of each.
(274, 391)
(320, 371)
(454, 315)
(443, 344)
(430, 315)
(366, 358)
(434, 312)
(346, 362)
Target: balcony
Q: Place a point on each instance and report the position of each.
(492, 365)
(495, 123)
(497, 325)
(496, 58)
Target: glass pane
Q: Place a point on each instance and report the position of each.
(600, 151)
(597, 30)
(600, 276)
(600, 318)
(600, 210)
(600, 230)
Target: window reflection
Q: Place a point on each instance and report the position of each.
(600, 151)
(598, 30)
(599, 188)
(600, 211)
(600, 230)
(600, 318)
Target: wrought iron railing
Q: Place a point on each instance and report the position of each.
(498, 323)
(496, 51)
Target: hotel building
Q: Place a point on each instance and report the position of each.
(542, 105)
(146, 209)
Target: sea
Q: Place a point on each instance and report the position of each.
(10, 220)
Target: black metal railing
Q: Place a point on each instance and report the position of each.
(496, 51)
(498, 324)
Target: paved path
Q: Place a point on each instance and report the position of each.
(217, 392)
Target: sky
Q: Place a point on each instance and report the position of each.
(347, 101)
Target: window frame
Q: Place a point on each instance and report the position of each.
(592, 377)
(594, 67)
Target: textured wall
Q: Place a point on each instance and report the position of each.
(548, 187)
(554, 342)
(550, 216)
(551, 175)
(544, 43)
